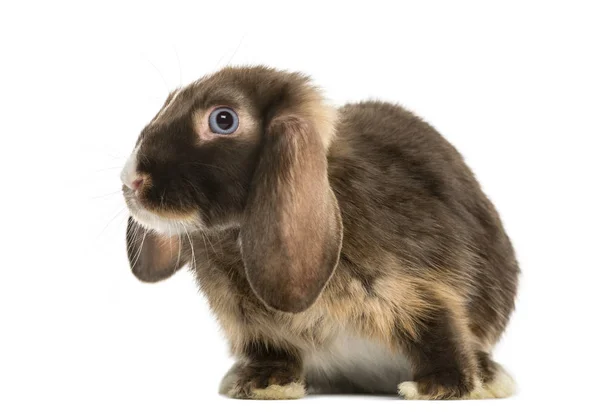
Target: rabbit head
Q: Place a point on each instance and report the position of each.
(244, 148)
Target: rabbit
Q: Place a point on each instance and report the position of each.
(342, 250)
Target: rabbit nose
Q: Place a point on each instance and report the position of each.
(137, 183)
(130, 177)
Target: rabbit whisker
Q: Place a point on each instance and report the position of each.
(178, 63)
(109, 168)
(178, 253)
(111, 220)
(191, 245)
(141, 154)
(205, 165)
(170, 235)
(236, 49)
(210, 243)
(106, 195)
(204, 240)
(135, 231)
(139, 253)
(198, 191)
(159, 73)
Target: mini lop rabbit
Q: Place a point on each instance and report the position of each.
(342, 249)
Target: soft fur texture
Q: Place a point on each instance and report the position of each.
(321, 235)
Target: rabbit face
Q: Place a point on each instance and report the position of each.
(192, 163)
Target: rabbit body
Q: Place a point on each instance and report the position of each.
(420, 288)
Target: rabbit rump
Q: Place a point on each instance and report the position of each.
(341, 249)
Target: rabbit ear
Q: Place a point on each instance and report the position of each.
(291, 234)
(153, 257)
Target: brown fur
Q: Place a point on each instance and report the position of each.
(316, 220)
(291, 232)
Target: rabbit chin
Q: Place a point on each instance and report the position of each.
(169, 226)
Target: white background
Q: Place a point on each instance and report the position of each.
(515, 86)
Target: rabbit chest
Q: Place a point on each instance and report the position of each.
(342, 336)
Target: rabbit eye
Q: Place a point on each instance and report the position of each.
(223, 120)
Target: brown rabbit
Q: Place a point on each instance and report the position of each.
(342, 250)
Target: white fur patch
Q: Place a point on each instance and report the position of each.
(143, 216)
(230, 387)
(502, 386)
(409, 390)
(365, 364)
(277, 392)
(162, 111)
(164, 226)
(129, 172)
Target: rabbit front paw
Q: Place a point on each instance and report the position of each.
(262, 381)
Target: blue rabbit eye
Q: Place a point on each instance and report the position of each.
(223, 120)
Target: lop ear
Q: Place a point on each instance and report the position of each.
(291, 234)
(153, 257)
